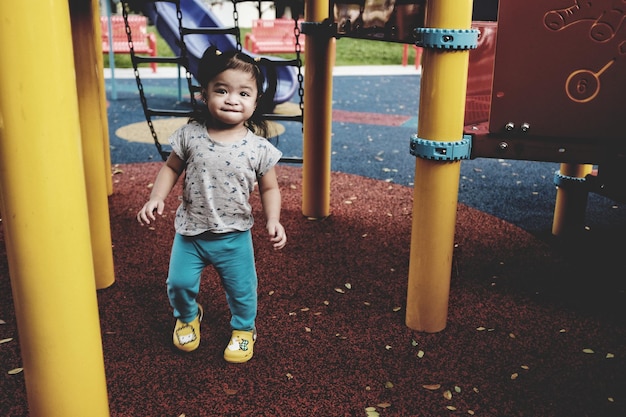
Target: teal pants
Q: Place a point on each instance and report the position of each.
(232, 256)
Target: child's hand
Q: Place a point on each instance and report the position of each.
(146, 214)
(277, 234)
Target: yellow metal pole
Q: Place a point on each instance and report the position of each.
(106, 144)
(441, 117)
(571, 203)
(45, 215)
(318, 86)
(88, 79)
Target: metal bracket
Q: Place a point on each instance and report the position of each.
(326, 29)
(456, 39)
(441, 151)
(570, 183)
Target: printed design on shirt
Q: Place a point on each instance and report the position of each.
(219, 179)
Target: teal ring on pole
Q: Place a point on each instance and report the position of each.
(441, 151)
(456, 39)
(567, 182)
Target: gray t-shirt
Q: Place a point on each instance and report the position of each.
(219, 178)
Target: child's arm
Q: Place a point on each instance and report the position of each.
(271, 200)
(165, 181)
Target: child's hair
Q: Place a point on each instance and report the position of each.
(214, 62)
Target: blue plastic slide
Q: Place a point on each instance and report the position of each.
(196, 15)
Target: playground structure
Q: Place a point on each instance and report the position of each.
(566, 106)
(189, 28)
(68, 148)
(199, 20)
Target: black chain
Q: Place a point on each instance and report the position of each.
(184, 54)
(297, 33)
(142, 95)
(236, 21)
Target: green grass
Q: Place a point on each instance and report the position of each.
(348, 52)
(368, 52)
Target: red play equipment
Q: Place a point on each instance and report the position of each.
(557, 92)
(143, 42)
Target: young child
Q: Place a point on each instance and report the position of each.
(223, 158)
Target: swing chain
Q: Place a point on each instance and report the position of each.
(184, 55)
(236, 22)
(142, 94)
(297, 33)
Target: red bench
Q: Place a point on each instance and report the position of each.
(272, 36)
(143, 42)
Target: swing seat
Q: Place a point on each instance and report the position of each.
(143, 42)
(273, 37)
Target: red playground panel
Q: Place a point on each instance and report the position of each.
(559, 69)
(558, 91)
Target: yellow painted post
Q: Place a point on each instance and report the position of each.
(45, 215)
(441, 117)
(88, 79)
(318, 86)
(106, 144)
(571, 203)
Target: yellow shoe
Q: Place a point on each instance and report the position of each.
(241, 346)
(187, 335)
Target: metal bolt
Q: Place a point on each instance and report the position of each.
(503, 146)
(525, 126)
(509, 126)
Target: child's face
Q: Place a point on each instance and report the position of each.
(232, 97)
